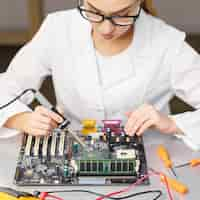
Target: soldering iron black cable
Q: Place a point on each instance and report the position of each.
(18, 97)
(158, 192)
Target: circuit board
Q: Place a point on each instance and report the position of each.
(111, 157)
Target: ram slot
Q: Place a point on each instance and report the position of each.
(36, 147)
(53, 145)
(28, 146)
(62, 144)
(45, 146)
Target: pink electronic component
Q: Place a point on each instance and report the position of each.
(113, 125)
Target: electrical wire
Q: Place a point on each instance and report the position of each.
(167, 186)
(154, 172)
(158, 192)
(109, 196)
(17, 97)
(138, 182)
(44, 195)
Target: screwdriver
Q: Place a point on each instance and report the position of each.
(174, 184)
(192, 163)
(164, 156)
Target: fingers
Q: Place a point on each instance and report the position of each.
(128, 114)
(46, 120)
(41, 125)
(47, 125)
(131, 119)
(44, 111)
(140, 126)
(136, 125)
(39, 132)
(140, 120)
(135, 119)
(43, 121)
(146, 125)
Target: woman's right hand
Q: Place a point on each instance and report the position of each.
(39, 122)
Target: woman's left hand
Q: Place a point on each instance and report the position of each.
(146, 117)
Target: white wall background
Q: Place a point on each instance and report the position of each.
(184, 14)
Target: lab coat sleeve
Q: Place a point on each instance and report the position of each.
(185, 81)
(27, 70)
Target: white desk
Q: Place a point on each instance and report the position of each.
(9, 149)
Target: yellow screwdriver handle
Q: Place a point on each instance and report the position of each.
(164, 156)
(89, 123)
(5, 196)
(175, 185)
(29, 198)
(194, 162)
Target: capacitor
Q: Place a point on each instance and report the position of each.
(112, 134)
(42, 181)
(101, 138)
(56, 181)
(75, 147)
(108, 130)
(74, 166)
(28, 162)
(89, 138)
(66, 171)
(127, 139)
(104, 138)
(122, 134)
(57, 170)
(117, 139)
(99, 128)
(28, 173)
(109, 134)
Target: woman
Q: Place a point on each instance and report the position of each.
(118, 60)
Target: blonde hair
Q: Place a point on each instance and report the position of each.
(147, 5)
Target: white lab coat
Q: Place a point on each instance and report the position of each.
(163, 65)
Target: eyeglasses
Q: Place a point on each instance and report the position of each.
(95, 17)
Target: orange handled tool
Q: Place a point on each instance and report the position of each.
(192, 163)
(164, 156)
(174, 184)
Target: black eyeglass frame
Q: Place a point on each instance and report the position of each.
(110, 18)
